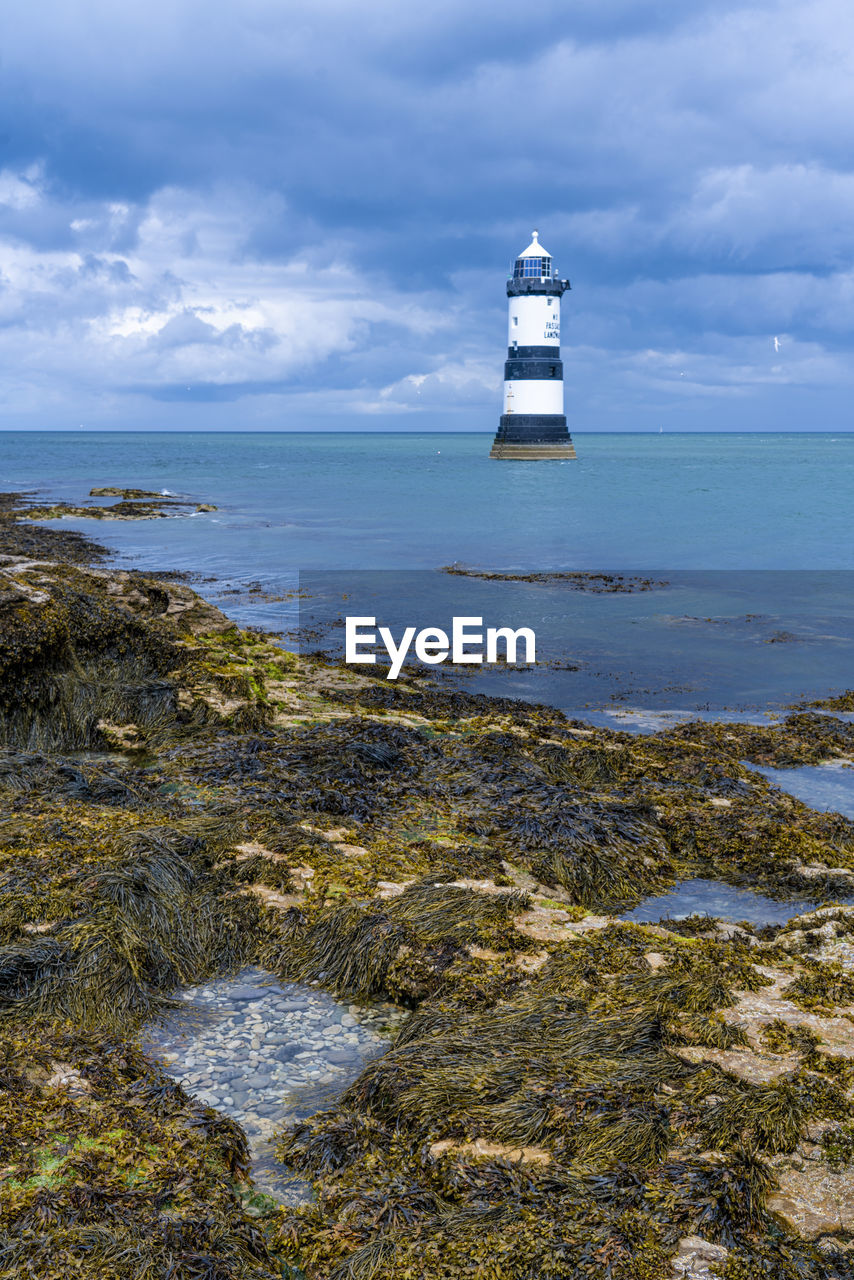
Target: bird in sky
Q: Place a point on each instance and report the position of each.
(776, 344)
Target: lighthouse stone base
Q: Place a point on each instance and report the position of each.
(529, 437)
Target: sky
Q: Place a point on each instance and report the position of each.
(270, 215)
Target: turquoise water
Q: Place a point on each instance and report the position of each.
(303, 501)
(749, 537)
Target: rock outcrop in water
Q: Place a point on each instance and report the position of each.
(133, 504)
(570, 1096)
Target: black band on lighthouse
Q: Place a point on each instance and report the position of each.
(526, 428)
(514, 421)
(549, 352)
(554, 287)
(521, 370)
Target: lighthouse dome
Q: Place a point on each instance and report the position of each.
(533, 261)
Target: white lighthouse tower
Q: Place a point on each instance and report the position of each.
(533, 425)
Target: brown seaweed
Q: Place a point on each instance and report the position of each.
(554, 1104)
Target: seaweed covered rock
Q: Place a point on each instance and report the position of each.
(133, 504)
(85, 652)
(110, 1169)
(403, 947)
(557, 1130)
(568, 1097)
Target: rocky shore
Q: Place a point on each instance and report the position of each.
(566, 1095)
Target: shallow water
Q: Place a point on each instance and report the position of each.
(267, 1053)
(642, 720)
(829, 786)
(715, 898)
(294, 504)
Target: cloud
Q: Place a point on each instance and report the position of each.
(309, 209)
(745, 217)
(186, 305)
(19, 191)
(467, 382)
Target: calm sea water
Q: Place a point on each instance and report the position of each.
(752, 535)
(358, 501)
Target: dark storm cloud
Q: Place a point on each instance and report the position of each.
(290, 204)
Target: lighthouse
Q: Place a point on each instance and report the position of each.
(533, 425)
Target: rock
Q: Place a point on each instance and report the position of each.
(284, 1052)
(741, 1062)
(351, 850)
(260, 1080)
(20, 593)
(270, 1110)
(756, 1009)
(695, 1258)
(726, 929)
(112, 491)
(813, 1199)
(241, 992)
(340, 1057)
(390, 888)
(66, 1077)
(121, 737)
(819, 870)
(821, 914)
(524, 1155)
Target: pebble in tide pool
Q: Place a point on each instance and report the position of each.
(267, 1053)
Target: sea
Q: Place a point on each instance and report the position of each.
(732, 554)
